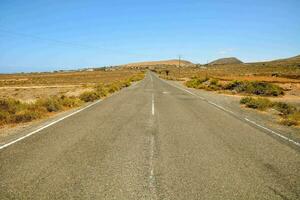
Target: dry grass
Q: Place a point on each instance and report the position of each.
(274, 74)
(64, 78)
(289, 114)
(159, 63)
(32, 86)
(14, 111)
(285, 74)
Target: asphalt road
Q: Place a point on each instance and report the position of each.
(150, 141)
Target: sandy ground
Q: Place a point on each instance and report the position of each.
(31, 93)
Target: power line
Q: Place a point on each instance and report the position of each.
(66, 43)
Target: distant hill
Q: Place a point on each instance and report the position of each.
(291, 59)
(163, 62)
(224, 61)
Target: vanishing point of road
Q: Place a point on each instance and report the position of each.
(150, 141)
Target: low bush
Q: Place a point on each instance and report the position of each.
(204, 83)
(101, 89)
(137, 77)
(10, 105)
(14, 111)
(213, 82)
(264, 89)
(70, 102)
(292, 119)
(284, 108)
(256, 103)
(234, 85)
(113, 87)
(255, 87)
(26, 116)
(290, 115)
(126, 83)
(196, 82)
(89, 96)
(4, 117)
(52, 104)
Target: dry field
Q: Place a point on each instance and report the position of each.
(174, 62)
(28, 97)
(31, 86)
(287, 77)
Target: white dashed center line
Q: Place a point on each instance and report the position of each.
(152, 104)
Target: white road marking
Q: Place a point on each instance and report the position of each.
(271, 131)
(221, 107)
(151, 159)
(185, 90)
(151, 78)
(46, 126)
(226, 110)
(152, 104)
(151, 167)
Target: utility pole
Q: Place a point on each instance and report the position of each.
(179, 58)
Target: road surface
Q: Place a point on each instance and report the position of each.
(151, 141)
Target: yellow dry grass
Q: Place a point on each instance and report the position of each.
(31, 86)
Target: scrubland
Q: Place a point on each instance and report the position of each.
(27, 97)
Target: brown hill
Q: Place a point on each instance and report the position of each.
(156, 63)
(291, 59)
(224, 61)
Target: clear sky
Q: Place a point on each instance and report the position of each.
(44, 35)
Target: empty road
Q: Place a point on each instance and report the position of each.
(151, 141)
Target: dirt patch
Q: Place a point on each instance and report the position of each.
(30, 94)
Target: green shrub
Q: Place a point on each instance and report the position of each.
(255, 87)
(196, 82)
(213, 82)
(113, 87)
(89, 96)
(101, 89)
(25, 116)
(262, 88)
(284, 108)
(289, 113)
(292, 119)
(126, 83)
(245, 100)
(137, 77)
(233, 85)
(4, 117)
(10, 105)
(256, 103)
(52, 104)
(70, 102)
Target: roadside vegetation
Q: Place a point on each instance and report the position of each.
(13, 111)
(255, 81)
(246, 87)
(289, 114)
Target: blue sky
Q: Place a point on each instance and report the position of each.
(49, 35)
